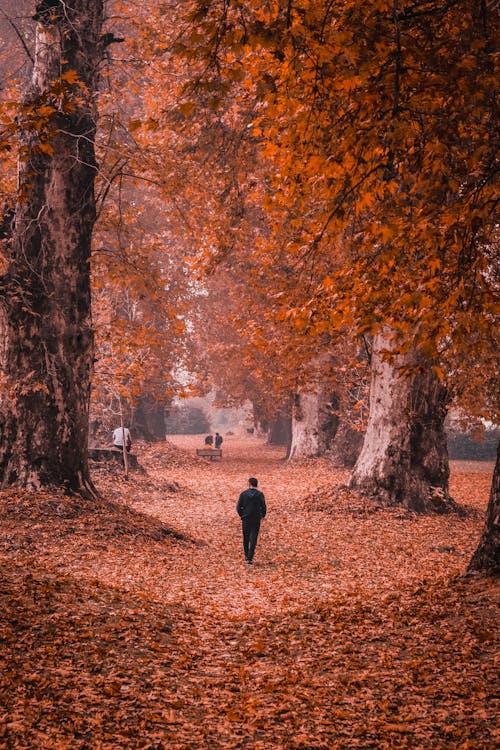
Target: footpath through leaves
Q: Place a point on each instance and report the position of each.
(135, 623)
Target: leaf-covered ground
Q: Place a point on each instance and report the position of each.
(135, 623)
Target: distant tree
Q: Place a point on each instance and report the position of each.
(478, 445)
(139, 290)
(280, 429)
(187, 420)
(148, 419)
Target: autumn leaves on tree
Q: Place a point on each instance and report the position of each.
(317, 180)
(375, 128)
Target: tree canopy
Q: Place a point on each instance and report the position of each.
(375, 127)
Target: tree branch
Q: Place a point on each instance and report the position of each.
(19, 35)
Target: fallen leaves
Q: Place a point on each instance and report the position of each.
(134, 623)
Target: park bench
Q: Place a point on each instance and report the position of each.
(210, 453)
(107, 455)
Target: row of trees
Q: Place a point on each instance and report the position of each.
(375, 135)
(329, 171)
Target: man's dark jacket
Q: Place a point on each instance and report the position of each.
(251, 504)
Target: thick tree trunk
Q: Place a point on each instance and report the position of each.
(314, 424)
(404, 459)
(486, 558)
(47, 359)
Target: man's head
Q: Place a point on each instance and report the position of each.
(252, 482)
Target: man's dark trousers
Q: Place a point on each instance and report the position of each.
(250, 528)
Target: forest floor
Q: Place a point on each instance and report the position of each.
(135, 622)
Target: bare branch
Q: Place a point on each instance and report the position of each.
(19, 35)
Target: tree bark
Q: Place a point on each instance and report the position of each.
(48, 353)
(314, 424)
(280, 430)
(148, 419)
(486, 558)
(404, 459)
(347, 445)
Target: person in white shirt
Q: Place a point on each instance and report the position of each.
(121, 434)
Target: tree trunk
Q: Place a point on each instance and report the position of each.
(314, 424)
(486, 558)
(347, 445)
(280, 430)
(48, 353)
(148, 419)
(404, 459)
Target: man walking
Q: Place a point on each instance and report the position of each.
(251, 508)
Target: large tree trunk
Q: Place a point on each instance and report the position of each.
(404, 459)
(148, 419)
(48, 353)
(487, 556)
(314, 424)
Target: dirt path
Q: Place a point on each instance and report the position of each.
(304, 554)
(354, 628)
(216, 573)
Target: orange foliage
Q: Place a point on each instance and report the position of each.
(376, 129)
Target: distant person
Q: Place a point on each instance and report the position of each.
(251, 508)
(218, 440)
(122, 434)
(209, 441)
